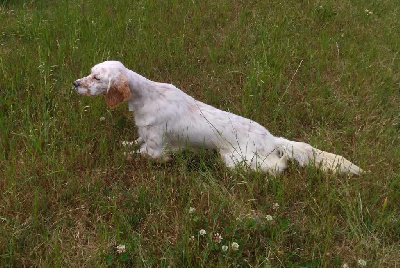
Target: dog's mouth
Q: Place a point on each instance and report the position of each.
(85, 92)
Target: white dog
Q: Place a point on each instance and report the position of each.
(168, 119)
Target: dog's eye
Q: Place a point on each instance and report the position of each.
(95, 77)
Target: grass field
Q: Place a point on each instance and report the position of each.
(324, 72)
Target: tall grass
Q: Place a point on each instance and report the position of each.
(324, 72)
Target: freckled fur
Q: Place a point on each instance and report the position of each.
(167, 119)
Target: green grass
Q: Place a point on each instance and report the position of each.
(323, 72)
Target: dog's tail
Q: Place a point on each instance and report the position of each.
(304, 154)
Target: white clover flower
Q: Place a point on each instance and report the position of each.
(121, 249)
(218, 238)
(224, 248)
(362, 262)
(102, 118)
(235, 246)
(269, 218)
(275, 206)
(191, 210)
(345, 265)
(202, 232)
(368, 12)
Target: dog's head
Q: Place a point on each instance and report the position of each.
(107, 78)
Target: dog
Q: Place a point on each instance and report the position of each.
(169, 119)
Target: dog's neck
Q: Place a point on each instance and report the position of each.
(139, 86)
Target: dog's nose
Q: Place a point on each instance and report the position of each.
(76, 84)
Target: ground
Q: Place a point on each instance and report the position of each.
(322, 72)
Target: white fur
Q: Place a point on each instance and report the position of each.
(169, 119)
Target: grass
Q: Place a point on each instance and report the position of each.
(324, 72)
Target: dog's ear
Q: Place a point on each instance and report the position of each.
(118, 91)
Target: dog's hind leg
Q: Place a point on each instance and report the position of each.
(273, 164)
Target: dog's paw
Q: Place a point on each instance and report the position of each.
(139, 141)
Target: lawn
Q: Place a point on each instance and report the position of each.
(323, 72)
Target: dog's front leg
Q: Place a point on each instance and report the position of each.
(154, 145)
(156, 153)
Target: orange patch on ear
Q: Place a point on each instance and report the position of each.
(119, 91)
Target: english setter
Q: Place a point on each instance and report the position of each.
(168, 119)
